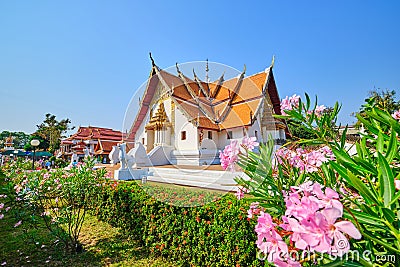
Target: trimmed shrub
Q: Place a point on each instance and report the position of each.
(216, 234)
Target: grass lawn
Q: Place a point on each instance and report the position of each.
(103, 244)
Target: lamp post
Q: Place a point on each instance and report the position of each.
(34, 144)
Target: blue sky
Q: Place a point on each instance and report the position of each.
(85, 59)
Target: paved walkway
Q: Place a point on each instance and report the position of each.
(216, 167)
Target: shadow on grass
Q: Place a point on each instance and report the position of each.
(103, 246)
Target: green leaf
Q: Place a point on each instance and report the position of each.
(386, 180)
(395, 198)
(391, 148)
(340, 169)
(335, 263)
(347, 161)
(308, 101)
(383, 116)
(395, 126)
(366, 165)
(367, 124)
(381, 242)
(389, 215)
(343, 137)
(379, 143)
(362, 188)
(364, 218)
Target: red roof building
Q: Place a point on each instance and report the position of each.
(94, 141)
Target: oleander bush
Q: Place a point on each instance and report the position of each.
(56, 199)
(315, 200)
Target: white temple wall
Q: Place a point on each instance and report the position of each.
(141, 132)
(255, 131)
(183, 125)
(237, 133)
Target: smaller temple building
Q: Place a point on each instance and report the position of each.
(89, 141)
(9, 143)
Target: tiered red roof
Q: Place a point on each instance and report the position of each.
(90, 133)
(214, 105)
(106, 138)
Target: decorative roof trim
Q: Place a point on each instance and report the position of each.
(232, 97)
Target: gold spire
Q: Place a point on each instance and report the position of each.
(273, 61)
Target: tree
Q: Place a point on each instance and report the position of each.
(19, 138)
(298, 130)
(43, 145)
(52, 131)
(382, 99)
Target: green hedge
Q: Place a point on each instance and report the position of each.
(216, 234)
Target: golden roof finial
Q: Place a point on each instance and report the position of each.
(273, 61)
(207, 70)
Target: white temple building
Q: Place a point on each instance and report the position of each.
(187, 121)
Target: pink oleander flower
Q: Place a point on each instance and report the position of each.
(264, 224)
(288, 103)
(46, 175)
(57, 181)
(336, 229)
(300, 207)
(253, 210)
(239, 194)
(249, 142)
(305, 187)
(273, 246)
(319, 110)
(282, 153)
(17, 188)
(229, 156)
(8, 208)
(306, 160)
(268, 239)
(1, 216)
(18, 224)
(1, 205)
(327, 152)
(45, 213)
(396, 115)
(329, 199)
(397, 184)
(311, 216)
